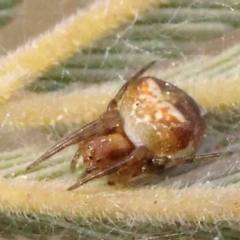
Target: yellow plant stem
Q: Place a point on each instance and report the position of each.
(99, 200)
(28, 62)
(214, 94)
(32, 110)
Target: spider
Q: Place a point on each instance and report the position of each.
(149, 123)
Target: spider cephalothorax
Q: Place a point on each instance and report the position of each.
(148, 122)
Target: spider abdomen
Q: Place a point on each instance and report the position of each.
(162, 117)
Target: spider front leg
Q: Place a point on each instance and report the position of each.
(105, 124)
(113, 103)
(139, 156)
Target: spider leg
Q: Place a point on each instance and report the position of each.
(137, 155)
(113, 104)
(90, 169)
(87, 171)
(104, 125)
(75, 160)
(139, 73)
(188, 159)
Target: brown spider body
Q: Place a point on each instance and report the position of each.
(161, 117)
(101, 152)
(149, 121)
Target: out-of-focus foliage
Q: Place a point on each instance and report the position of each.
(7, 11)
(166, 33)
